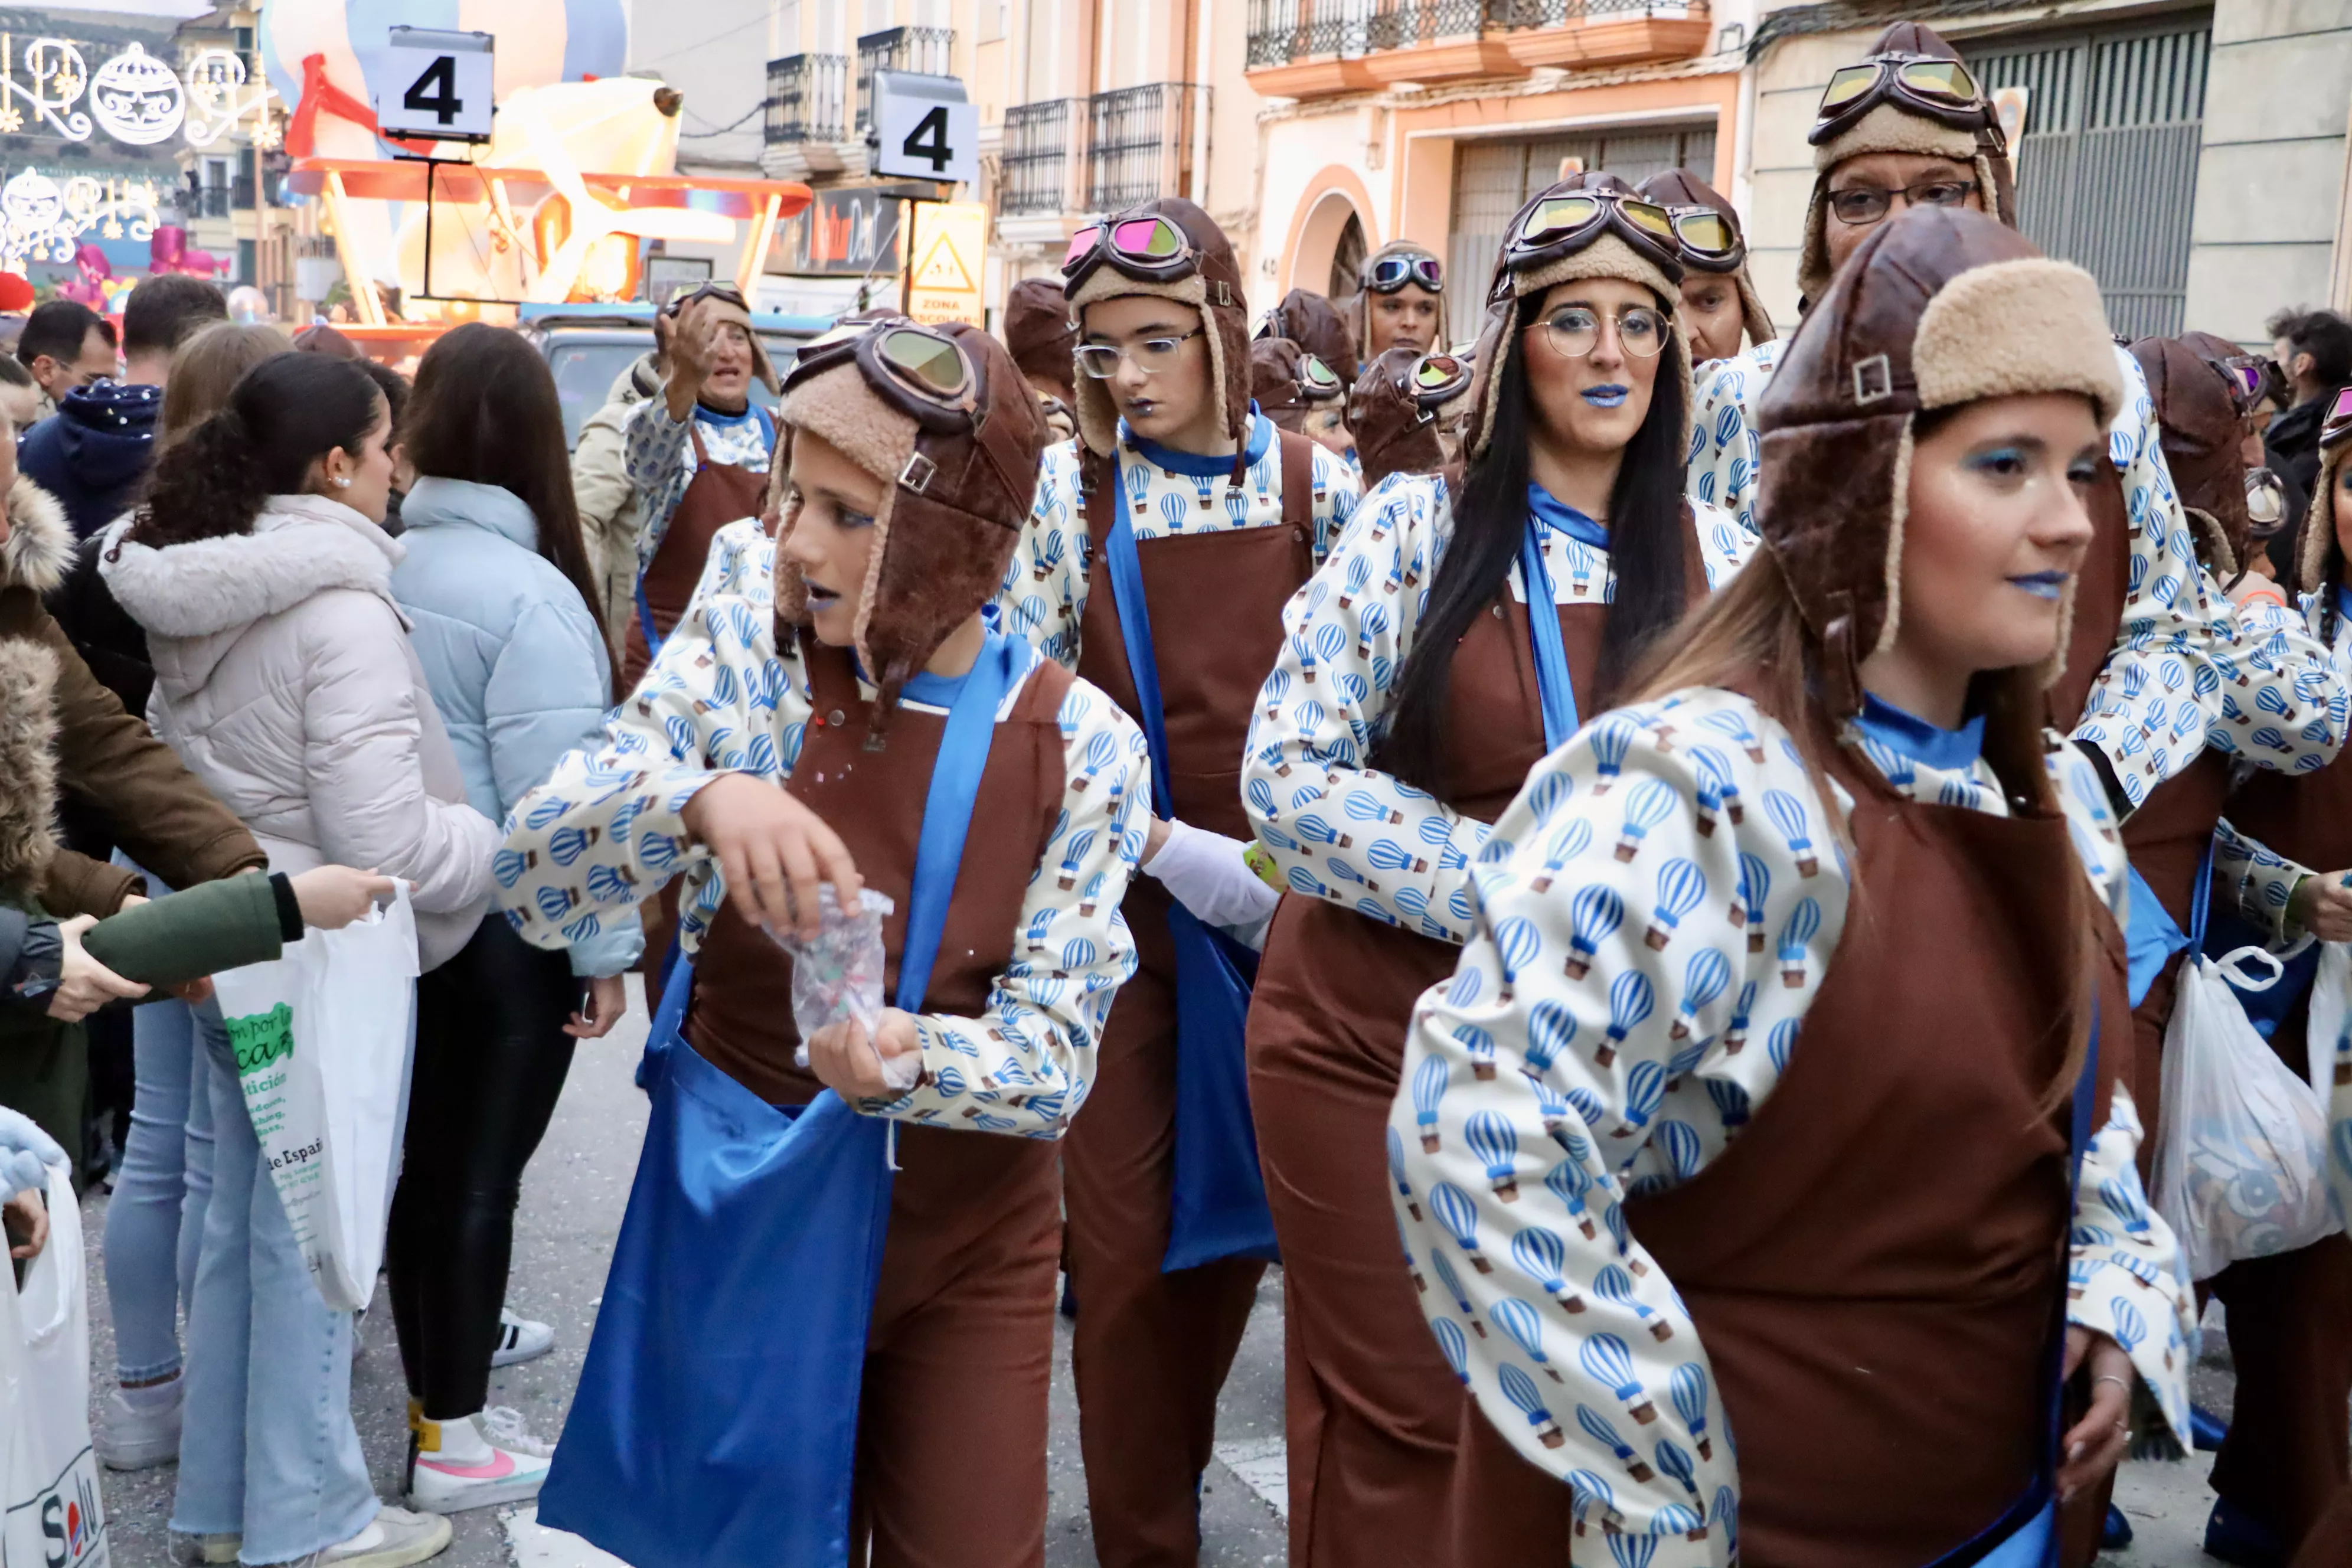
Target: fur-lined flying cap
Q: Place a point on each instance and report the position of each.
(2204, 434)
(1681, 189)
(1938, 307)
(2322, 561)
(1359, 306)
(1891, 127)
(1039, 332)
(1396, 430)
(1212, 285)
(1601, 253)
(1313, 322)
(957, 492)
(1287, 381)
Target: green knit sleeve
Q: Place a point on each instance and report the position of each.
(213, 926)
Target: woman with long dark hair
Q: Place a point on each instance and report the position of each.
(503, 602)
(1777, 1094)
(1452, 639)
(284, 679)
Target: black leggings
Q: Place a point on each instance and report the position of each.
(491, 1058)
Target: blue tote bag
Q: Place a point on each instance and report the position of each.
(715, 1421)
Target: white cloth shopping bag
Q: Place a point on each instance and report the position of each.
(2330, 1044)
(322, 1038)
(55, 1518)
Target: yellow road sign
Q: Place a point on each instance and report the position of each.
(952, 244)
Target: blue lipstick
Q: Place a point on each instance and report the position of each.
(1611, 396)
(2042, 584)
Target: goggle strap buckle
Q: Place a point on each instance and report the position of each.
(1874, 380)
(916, 475)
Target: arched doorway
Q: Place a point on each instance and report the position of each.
(1347, 260)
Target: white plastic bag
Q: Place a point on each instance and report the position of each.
(2330, 1041)
(322, 1037)
(837, 974)
(55, 1518)
(2242, 1154)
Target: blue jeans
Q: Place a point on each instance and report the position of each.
(156, 1221)
(266, 1444)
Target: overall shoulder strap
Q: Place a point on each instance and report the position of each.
(1297, 480)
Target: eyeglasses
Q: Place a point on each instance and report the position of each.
(1391, 273)
(1554, 226)
(926, 373)
(1707, 239)
(1939, 89)
(1152, 248)
(1574, 331)
(1151, 355)
(1859, 204)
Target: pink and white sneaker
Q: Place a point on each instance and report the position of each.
(485, 1459)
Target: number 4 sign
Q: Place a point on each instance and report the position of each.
(923, 129)
(435, 85)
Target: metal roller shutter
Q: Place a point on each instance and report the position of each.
(1493, 178)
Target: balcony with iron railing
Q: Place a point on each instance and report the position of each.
(807, 117)
(1038, 163)
(1309, 48)
(929, 50)
(1144, 142)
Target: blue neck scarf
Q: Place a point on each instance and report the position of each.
(1946, 751)
(1547, 513)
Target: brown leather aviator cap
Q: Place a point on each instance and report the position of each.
(1681, 189)
(1313, 322)
(2203, 436)
(1039, 331)
(1395, 432)
(958, 483)
(1939, 307)
(1212, 284)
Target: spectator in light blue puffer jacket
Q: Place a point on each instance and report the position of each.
(498, 586)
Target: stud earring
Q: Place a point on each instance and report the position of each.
(343, 484)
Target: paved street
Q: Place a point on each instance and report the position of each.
(572, 1208)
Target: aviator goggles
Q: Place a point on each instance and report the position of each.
(1554, 226)
(1391, 273)
(2337, 428)
(1149, 249)
(1927, 85)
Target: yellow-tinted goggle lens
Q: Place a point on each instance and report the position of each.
(1940, 79)
(1707, 233)
(1651, 217)
(930, 360)
(1558, 214)
(1847, 85)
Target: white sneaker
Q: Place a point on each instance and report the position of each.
(141, 1426)
(519, 1339)
(396, 1538)
(487, 1458)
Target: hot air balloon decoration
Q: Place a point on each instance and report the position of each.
(1804, 921)
(1565, 845)
(1606, 1358)
(1703, 979)
(1497, 1145)
(1404, 1242)
(1516, 943)
(1788, 814)
(1594, 913)
(1732, 1103)
(1780, 1043)
(1681, 885)
(1569, 1180)
(1520, 1390)
(1748, 903)
(1589, 1495)
(1453, 1345)
(1397, 1175)
(1735, 1033)
(1632, 1551)
(1453, 1283)
(1596, 1426)
(1525, 1325)
(1613, 1284)
(1631, 999)
(1612, 739)
(1542, 1257)
(1645, 1088)
(1646, 807)
(1429, 1081)
(1459, 1216)
(1074, 850)
(1553, 1109)
(1688, 1388)
(1731, 725)
(1551, 1028)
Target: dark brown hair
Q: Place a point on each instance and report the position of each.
(485, 410)
(283, 414)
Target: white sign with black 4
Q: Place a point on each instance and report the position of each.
(923, 129)
(434, 85)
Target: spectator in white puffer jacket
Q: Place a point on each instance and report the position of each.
(284, 679)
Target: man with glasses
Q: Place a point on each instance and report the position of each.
(1162, 547)
(1719, 300)
(1399, 301)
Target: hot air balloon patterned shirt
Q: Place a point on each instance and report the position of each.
(1338, 828)
(657, 454)
(1045, 593)
(2248, 875)
(1653, 916)
(604, 833)
(2185, 671)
